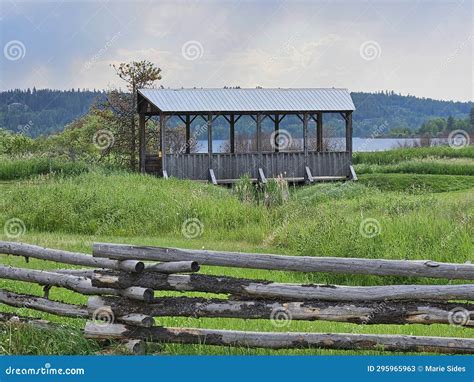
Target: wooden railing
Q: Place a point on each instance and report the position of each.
(232, 166)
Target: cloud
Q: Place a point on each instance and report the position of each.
(278, 44)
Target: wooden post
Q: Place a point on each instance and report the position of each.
(209, 139)
(142, 141)
(232, 133)
(277, 128)
(163, 143)
(188, 134)
(258, 120)
(305, 137)
(349, 133)
(319, 132)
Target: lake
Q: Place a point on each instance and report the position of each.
(358, 144)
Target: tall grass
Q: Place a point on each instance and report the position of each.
(131, 204)
(422, 166)
(318, 220)
(11, 169)
(404, 154)
(417, 183)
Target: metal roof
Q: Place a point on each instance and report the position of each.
(249, 100)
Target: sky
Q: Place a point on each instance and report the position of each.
(422, 48)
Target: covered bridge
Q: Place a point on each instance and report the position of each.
(309, 163)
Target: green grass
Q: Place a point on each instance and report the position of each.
(454, 166)
(131, 204)
(405, 154)
(417, 183)
(420, 216)
(30, 167)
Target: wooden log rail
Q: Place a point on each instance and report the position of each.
(74, 283)
(83, 259)
(289, 340)
(365, 313)
(380, 267)
(42, 304)
(174, 267)
(290, 292)
(75, 258)
(71, 310)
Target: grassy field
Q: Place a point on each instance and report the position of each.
(12, 169)
(426, 215)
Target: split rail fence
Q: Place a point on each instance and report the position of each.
(121, 281)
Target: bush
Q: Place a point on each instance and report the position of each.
(275, 192)
(244, 189)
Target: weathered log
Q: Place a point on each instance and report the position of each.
(31, 321)
(421, 268)
(42, 304)
(289, 292)
(74, 283)
(365, 313)
(174, 267)
(136, 347)
(87, 273)
(137, 319)
(289, 340)
(36, 252)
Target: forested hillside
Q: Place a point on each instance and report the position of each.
(401, 112)
(39, 112)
